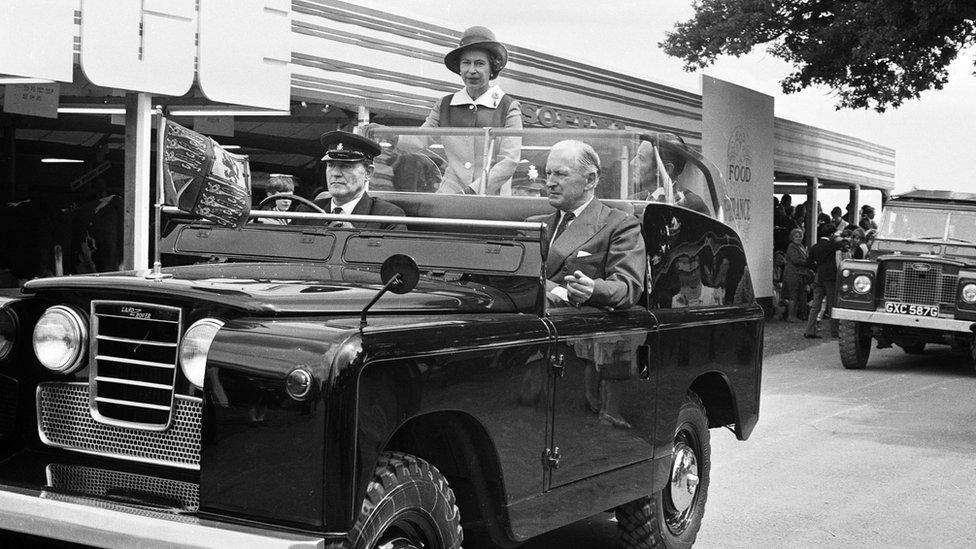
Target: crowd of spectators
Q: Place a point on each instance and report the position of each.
(804, 276)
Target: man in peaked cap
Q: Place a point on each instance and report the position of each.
(348, 167)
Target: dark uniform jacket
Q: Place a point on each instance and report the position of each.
(366, 206)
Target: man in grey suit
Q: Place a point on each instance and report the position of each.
(348, 168)
(596, 253)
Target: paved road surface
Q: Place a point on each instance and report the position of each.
(883, 457)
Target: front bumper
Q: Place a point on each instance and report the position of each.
(104, 523)
(893, 319)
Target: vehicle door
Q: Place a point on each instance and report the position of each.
(603, 403)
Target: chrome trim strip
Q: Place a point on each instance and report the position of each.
(102, 302)
(131, 403)
(928, 323)
(134, 361)
(137, 341)
(133, 382)
(109, 524)
(428, 221)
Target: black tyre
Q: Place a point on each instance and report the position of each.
(915, 348)
(855, 344)
(408, 505)
(671, 517)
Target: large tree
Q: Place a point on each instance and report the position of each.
(873, 53)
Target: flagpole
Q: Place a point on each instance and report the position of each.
(160, 192)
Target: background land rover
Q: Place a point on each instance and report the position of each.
(918, 285)
(251, 400)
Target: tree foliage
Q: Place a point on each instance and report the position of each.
(873, 53)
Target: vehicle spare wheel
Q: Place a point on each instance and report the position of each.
(408, 505)
(855, 344)
(671, 517)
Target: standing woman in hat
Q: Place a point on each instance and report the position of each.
(477, 60)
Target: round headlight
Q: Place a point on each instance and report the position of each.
(862, 284)
(195, 347)
(59, 339)
(969, 293)
(8, 331)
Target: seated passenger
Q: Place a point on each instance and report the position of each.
(596, 253)
(658, 171)
(283, 187)
(348, 168)
(478, 59)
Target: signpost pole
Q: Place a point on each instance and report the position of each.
(813, 185)
(138, 125)
(160, 191)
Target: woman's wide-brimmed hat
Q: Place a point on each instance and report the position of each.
(475, 37)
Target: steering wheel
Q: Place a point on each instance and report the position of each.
(295, 197)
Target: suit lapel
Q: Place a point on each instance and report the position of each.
(579, 232)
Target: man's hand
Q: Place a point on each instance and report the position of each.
(579, 286)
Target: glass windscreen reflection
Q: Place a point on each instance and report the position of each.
(492, 161)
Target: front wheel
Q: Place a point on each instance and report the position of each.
(408, 505)
(672, 517)
(855, 344)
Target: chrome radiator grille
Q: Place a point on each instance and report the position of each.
(133, 363)
(64, 420)
(906, 282)
(89, 481)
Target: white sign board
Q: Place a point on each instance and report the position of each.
(239, 51)
(737, 134)
(37, 39)
(143, 46)
(32, 99)
(236, 65)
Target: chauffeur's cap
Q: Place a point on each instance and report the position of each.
(479, 37)
(343, 146)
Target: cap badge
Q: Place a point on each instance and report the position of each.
(339, 147)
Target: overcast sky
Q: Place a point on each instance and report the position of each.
(934, 137)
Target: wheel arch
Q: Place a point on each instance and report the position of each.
(460, 447)
(718, 396)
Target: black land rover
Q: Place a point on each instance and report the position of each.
(319, 385)
(918, 284)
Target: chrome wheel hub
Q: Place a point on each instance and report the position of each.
(684, 477)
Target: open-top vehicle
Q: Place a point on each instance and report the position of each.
(321, 385)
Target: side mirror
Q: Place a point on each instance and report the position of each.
(399, 274)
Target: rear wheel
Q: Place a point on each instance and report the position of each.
(855, 344)
(671, 517)
(408, 505)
